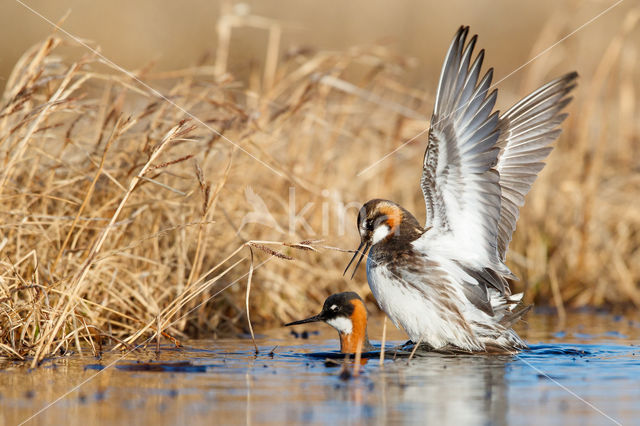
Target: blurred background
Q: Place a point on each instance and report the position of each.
(177, 34)
(319, 91)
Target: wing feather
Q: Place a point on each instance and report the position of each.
(478, 166)
(459, 183)
(527, 130)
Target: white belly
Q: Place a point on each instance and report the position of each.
(423, 318)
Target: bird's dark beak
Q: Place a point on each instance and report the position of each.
(314, 318)
(363, 248)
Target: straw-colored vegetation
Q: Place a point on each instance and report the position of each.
(124, 213)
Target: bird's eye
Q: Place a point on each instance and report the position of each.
(380, 220)
(334, 308)
(369, 225)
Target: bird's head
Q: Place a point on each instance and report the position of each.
(381, 221)
(346, 313)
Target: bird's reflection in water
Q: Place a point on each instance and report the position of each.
(443, 389)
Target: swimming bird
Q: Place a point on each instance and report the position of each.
(346, 313)
(445, 283)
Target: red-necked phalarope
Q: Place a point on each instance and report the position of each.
(346, 313)
(446, 283)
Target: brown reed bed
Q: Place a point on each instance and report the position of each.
(126, 215)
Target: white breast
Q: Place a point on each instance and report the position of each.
(418, 311)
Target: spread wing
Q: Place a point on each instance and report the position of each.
(527, 130)
(459, 181)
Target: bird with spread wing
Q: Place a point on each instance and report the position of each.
(445, 283)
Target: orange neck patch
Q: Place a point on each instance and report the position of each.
(358, 336)
(394, 215)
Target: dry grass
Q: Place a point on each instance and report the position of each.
(123, 215)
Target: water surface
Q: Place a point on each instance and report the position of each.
(584, 372)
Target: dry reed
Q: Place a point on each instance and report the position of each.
(124, 219)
